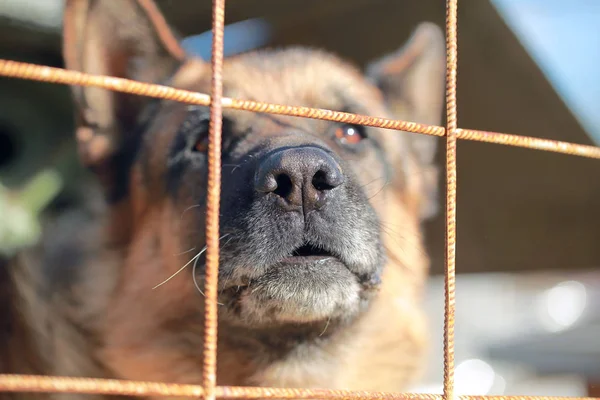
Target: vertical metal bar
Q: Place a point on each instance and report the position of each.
(209, 378)
(451, 127)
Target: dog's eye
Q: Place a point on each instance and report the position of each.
(199, 130)
(201, 145)
(350, 134)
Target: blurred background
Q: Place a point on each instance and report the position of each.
(528, 286)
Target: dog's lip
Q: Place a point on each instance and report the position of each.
(307, 259)
(309, 252)
(235, 290)
(303, 254)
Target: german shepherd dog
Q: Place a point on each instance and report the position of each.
(322, 258)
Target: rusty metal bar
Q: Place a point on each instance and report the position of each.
(59, 384)
(528, 142)
(450, 259)
(46, 384)
(41, 73)
(318, 394)
(15, 69)
(209, 373)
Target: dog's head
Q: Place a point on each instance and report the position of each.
(304, 203)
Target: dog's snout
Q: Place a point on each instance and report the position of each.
(300, 176)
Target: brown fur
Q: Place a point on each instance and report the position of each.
(101, 318)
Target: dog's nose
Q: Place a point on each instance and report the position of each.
(301, 176)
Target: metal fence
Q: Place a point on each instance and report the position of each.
(216, 101)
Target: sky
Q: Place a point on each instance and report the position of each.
(563, 37)
(238, 37)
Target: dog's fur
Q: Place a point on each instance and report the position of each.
(83, 303)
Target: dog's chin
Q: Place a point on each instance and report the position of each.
(298, 290)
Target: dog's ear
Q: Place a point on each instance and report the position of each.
(412, 81)
(122, 38)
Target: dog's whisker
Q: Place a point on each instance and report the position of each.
(400, 240)
(371, 182)
(388, 231)
(376, 180)
(391, 228)
(235, 166)
(254, 290)
(380, 189)
(196, 264)
(195, 259)
(181, 269)
(326, 326)
(225, 283)
(184, 252)
(195, 280)
(388, 228)
(187, 209)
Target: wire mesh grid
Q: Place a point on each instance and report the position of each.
(216, 101)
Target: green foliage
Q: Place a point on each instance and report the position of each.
(20, 210)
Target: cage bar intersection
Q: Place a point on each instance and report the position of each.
(209, 390)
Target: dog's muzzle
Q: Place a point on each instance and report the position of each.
(305, 242)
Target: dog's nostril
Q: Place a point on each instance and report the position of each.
(320, 181)
(284, 186)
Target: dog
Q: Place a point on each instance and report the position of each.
(322, 261)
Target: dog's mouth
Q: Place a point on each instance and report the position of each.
(308, 253)
(303, 256)
(307, 283)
